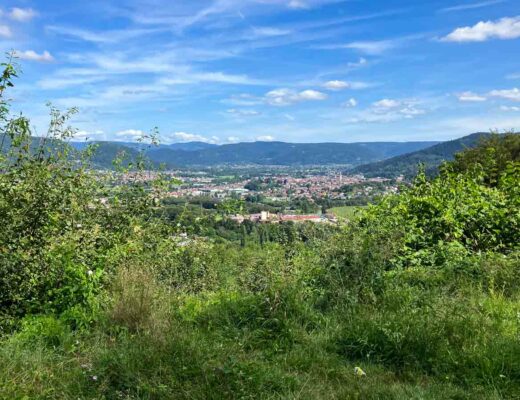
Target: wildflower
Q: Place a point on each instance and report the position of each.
(359, 372)
(90, 272)
(94, 377)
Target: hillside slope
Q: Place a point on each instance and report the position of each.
(408, 164)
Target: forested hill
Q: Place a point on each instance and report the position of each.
(431, 157)
(262, 153)
(388, 159)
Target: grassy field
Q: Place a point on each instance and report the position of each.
(345, 212)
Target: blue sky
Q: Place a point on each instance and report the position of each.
(294, 70)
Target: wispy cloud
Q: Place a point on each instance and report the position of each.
(22, 14)
(297, 4)
(471, 6)
(373, 47)
(5, 31)
(510, 108)
(269, 31)
(243, 112)
(361, 62)
(108, 36)
(508, 94)
(57, 83)
(31, 55)
(470, 97)
(505, 28)
(243, 99)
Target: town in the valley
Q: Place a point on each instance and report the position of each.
(275, 194)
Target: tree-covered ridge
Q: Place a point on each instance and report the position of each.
(103, 297)
(262, 153)
(431, 158)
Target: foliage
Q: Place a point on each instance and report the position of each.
(494, 155)
(409, 164)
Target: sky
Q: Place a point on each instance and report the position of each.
(225, 71)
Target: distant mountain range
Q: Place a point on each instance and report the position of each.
(260, 153)
(431, 157)
(386, 159)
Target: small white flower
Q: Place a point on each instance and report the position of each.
(90, 272)
(94, 377)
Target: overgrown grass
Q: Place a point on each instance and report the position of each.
(430, 334)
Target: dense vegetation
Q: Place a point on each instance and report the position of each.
(102, 297)
(431, 158)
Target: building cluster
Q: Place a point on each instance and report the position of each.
(267, 217)
(273, 187)
(281, 187)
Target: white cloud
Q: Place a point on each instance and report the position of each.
(336, 85)
(471, 6)
(341, 85)
(264, 138)
(243, 113)
(409, 111)
(470, 96)
(387, 110)
(285, 97)
(386, 103)
(31, 55)
(513, 76)
(191, 137)
(505, 28)
(5, 31)
(508, 94)
(22, 14)
(310, 94)
(85, 135)
(350, 103)
(130, 134)
(233, 139)
(509, 108)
